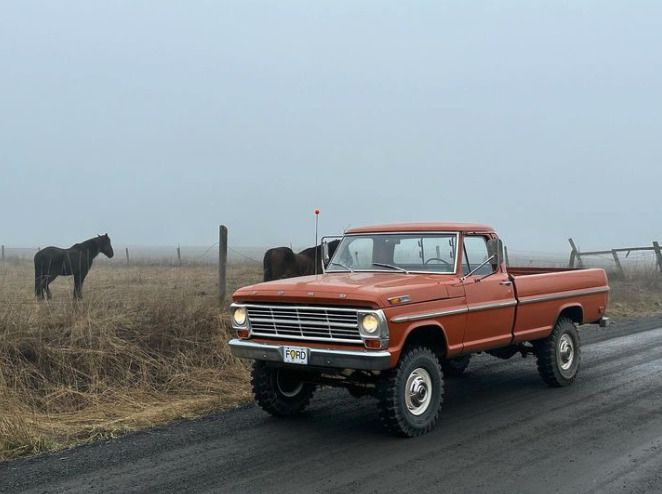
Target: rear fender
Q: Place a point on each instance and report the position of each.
(573, 310)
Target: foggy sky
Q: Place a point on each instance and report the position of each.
(156, 121)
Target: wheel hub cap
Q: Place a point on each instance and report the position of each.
(566, 352)
(418, 391)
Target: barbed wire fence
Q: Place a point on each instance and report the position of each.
(619, 262)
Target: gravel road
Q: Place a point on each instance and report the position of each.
(502, 430)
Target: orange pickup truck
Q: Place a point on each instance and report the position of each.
(400, 307)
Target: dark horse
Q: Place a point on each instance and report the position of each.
(282, 262)
(76, 261)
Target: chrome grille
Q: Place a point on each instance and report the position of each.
(310, 323)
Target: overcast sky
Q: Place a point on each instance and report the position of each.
(156, 121)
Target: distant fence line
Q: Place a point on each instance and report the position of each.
(172, 256)
(577, 256)
(178, 255)
(221, 256)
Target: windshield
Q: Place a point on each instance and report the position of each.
(429, 252)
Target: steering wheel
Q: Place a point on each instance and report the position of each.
(439, 259)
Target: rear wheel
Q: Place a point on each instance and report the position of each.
(410, 396)
(279, 391)
(559, 354)
(455, 367)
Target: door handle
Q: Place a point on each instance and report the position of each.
(506, 283)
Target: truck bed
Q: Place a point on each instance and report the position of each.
(543, 293)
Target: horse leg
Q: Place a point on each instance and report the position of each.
(78, 286)
(38, 292)
(47, 282)
(39, 288)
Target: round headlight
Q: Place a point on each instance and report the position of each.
(370, 323)
(239, 316)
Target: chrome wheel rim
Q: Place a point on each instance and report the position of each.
(566, 353)
(287, 386)
(418, 391)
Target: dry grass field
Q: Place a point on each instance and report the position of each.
(146, 346)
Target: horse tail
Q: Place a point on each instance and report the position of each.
(266, 266)
(38, 290)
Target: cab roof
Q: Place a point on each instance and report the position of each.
(422, 227)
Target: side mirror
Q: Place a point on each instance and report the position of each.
(495, 250)
(325, 252)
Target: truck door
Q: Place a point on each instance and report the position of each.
(490, 300)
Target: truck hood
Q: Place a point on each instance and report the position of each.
(369, 289)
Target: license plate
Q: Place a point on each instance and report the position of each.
(295, 355)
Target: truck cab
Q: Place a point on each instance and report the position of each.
(401, 307)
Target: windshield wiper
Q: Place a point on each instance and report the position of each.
(334, 263)
(391, 266)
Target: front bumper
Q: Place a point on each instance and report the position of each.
(317, 357)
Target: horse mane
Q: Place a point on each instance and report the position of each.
(87, 243)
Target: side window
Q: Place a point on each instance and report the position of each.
(475, 252)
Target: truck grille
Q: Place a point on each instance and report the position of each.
(308, 323)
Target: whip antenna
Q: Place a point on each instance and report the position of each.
(317, 216)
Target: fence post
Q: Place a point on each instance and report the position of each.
(179, 255)
(658, 254)
(574, 254)
(3, 252)
(505, 253)
(222, 261)
(619, 267)
(127, 255)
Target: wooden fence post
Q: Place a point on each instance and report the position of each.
(658, 254)
(619, 267)
(505, 253)
(179, 255)
(574, 254)
(127, 255)
(222, 261)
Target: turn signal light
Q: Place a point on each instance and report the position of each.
(375, 344)
(242, 333)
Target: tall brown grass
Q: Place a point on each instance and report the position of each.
(639, 293)
(146, 346)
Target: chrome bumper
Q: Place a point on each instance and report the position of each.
(317, 357)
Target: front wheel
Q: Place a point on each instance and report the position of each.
(559, 354)
(410, 396)
(281, 392)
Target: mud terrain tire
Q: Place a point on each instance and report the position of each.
(280, 391)
(559, 355)
(410, 396)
